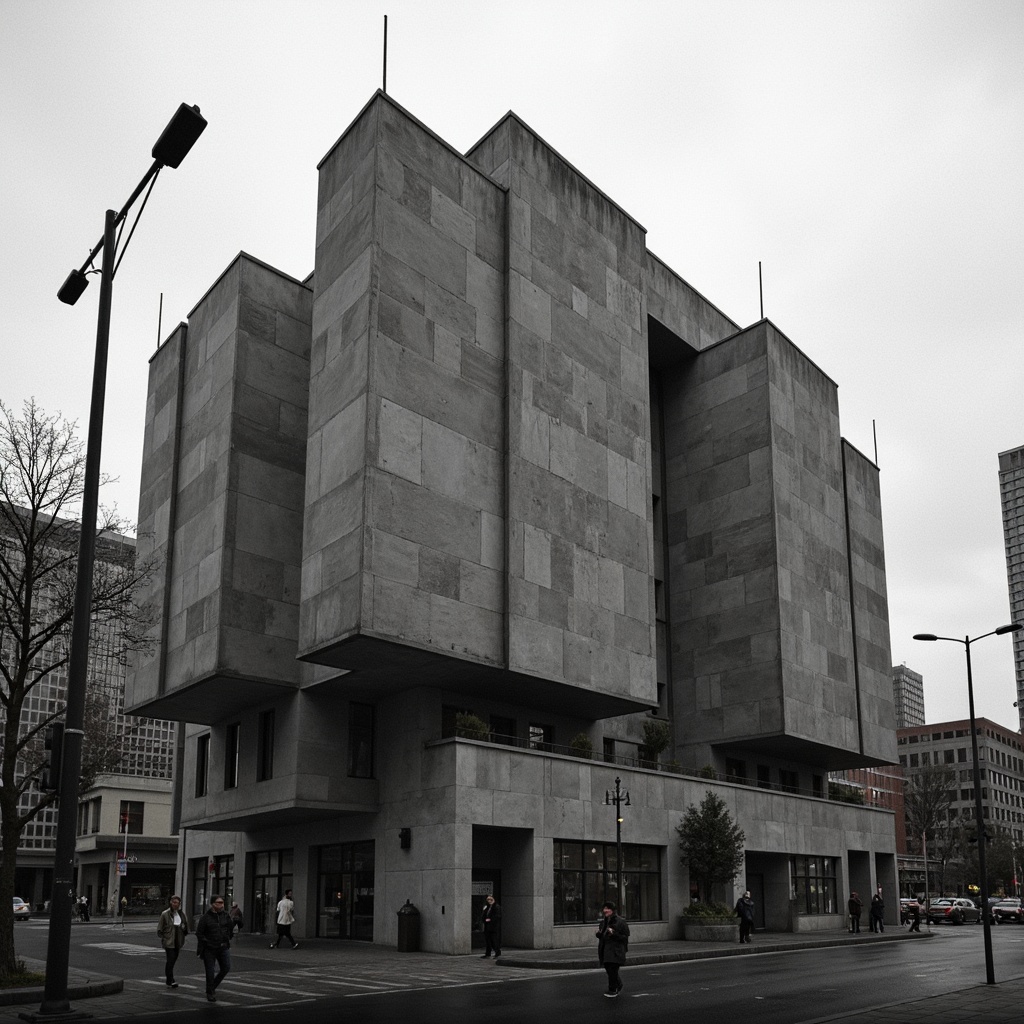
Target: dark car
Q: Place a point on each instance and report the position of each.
(22, 911)
(953, 911)
(1008, 910)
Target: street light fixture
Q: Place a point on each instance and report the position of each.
(170, 149)
(990, 976)
(620, 798)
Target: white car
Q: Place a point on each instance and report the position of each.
(22, 911)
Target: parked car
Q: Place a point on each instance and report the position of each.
(22, 911)
(1008, 910)
(953, 911)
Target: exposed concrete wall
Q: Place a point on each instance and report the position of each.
(222, 495)
(871, 607)
(405, 482)
(580, 531)
(761, 620)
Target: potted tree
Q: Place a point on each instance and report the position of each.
(656, 738)
(711, 845)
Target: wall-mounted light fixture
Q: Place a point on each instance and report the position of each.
(405, 838)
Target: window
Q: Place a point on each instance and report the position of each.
(789, 781)
(360, 741)
(265, 752)
(814, 884)
(503, 730)
(541, 736)
(202, 763)
(818, 785)
(586, 874)
(735, 770)
(764, 776)
(608, 748)
(231, 737)
(131, 817)
(948, 756)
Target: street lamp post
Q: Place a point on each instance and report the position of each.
(979, 814)
(170, 149)
(620, 798)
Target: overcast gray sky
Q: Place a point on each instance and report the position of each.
(870, 154)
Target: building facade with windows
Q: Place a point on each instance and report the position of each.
(1001, 761)
(146, 745)
(454, 527)
(1011, 495)
(125, 846)
(908, 693)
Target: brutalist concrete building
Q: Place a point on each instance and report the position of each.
(494, 458)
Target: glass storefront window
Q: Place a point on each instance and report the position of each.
(586, 875)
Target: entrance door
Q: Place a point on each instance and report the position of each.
(485, 881)
(755, 883)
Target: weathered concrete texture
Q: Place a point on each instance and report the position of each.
(871, 616)
(225, 507)
(578, 424)
(405, 481)
(761, 624)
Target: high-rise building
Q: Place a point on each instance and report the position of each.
(491, 514)
(1011, 493)
(908, 693)
(146, 745)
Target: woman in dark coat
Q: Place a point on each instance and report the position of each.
(612, 942)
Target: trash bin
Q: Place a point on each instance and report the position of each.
(408, 929)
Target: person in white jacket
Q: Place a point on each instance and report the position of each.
(285, 920)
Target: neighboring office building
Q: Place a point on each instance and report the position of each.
(1011, 494)
(148, 744)
(494, 456)
(124, 818)
(908, 692)
(1001, 760)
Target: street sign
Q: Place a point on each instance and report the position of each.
(122, 866)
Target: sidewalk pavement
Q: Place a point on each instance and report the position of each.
(992, 1004)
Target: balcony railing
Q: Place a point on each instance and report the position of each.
(642, 764)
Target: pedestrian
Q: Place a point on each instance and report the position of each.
(213, 934)
(612, 943)
(855, 905)
(235, 913)
(491, 920)
(914, 909)
(745, 912)
(878, 912)
(285, 920)
(172, 929)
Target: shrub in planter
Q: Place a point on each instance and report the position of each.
(471, 727)
(581, 745)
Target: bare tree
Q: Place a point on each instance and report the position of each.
(42, 466)
(928, 797)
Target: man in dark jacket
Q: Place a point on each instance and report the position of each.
(213, 932)
(855, 905)
(612, 942)
(490, 919)
(878, 912)
(745, 912)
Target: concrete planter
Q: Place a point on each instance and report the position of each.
(710, 929)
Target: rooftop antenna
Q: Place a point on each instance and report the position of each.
(385, 89)
(159, 319)
(760, 288)
(874, 434)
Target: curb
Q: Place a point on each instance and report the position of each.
(589, 963)
(104, 987)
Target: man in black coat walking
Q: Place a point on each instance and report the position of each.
(745, 912)
(612, 942)
(213, 932)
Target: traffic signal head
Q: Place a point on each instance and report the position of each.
(53, 745)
